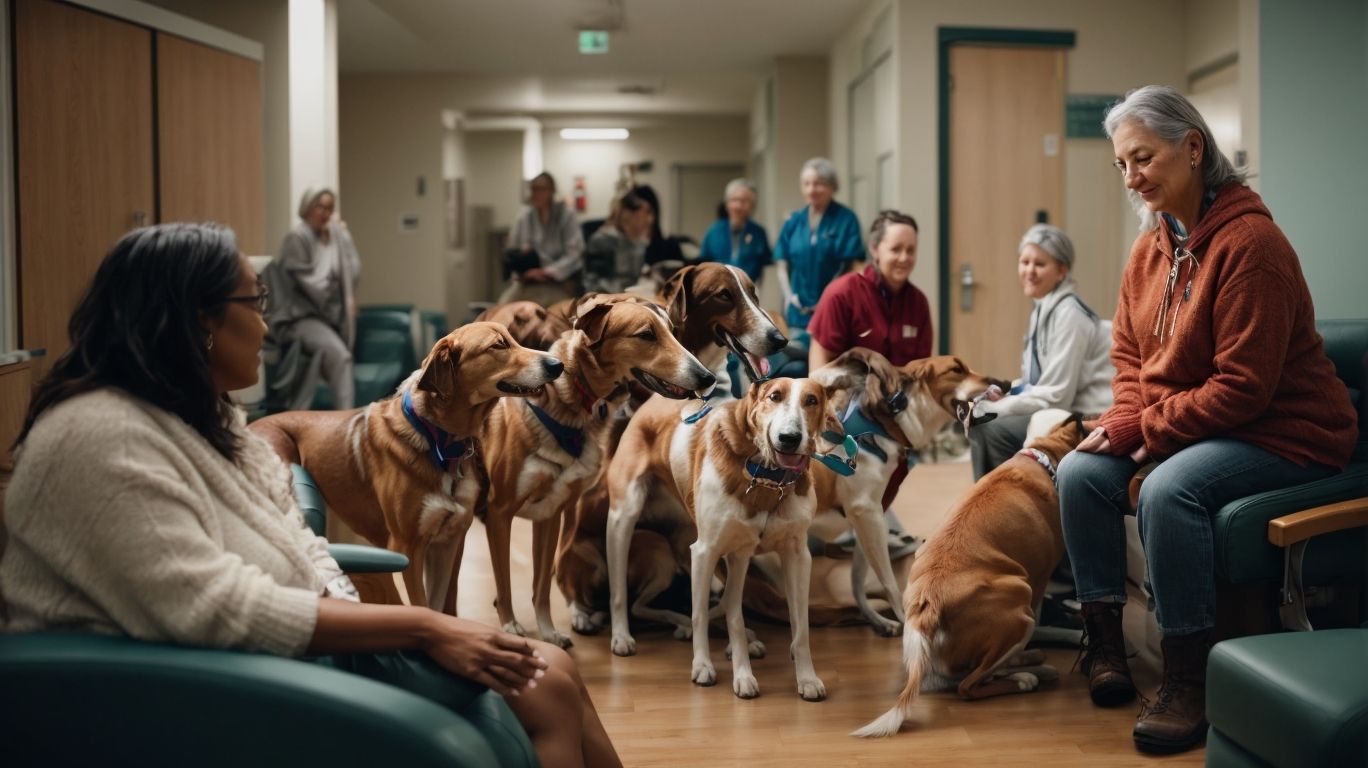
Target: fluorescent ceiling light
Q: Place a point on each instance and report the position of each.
(594, 134)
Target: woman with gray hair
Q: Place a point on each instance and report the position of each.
(1065, 365)
(313, 300)
(735, 238)
(1221, 377)
(818, 242)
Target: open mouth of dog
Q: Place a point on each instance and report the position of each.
(793, 462)
(661, 386)
(756, 367)
(518, 390)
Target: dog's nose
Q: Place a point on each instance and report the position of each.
(552, 366)
(706, 379)
(775, 340)
(789, 441)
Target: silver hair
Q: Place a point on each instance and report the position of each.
(310, 197)
(736, 185)
(1052, 241)
(1163, 111)
(825, 170)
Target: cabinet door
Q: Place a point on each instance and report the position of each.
(210, 138)
(83, 103)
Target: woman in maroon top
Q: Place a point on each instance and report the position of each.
(879, 309)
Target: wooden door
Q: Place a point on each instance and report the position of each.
(83, 103)
(1006, 166)
(210, 139)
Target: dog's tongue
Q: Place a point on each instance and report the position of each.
(796, 462)
(760, 364)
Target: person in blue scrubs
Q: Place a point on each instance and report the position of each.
(736, 239)
(818, 242)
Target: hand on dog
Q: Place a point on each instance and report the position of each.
(503, 662)
(1096, 442)
(536, 275)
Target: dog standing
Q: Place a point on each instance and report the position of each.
(975, 586)
(399, 472)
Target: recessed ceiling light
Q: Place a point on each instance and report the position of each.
(594, 134)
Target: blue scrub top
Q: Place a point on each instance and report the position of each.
(751, 252)
(815, 259)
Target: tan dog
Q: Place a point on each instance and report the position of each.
(974, 587)
(888, 411)
(742, 473)
(530, 323)
(713, 309)
(380, 469)
(541, 453)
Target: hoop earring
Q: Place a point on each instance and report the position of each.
(209, 343)
(1194, 162)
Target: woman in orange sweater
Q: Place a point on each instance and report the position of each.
(1220, 376)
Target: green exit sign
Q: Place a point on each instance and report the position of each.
(593, 41)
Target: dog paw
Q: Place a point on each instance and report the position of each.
(557, 637)
(1027, 658)
(704, 674)
(1025, 681)
(514, 628)
(756, 649)
(745, 686)
(585, 623)
(811, 689)
(623, 645)
(886, 627)
(683, 633)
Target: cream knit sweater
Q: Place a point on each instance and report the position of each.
(124, 520)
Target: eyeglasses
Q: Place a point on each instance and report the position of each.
(262, 300)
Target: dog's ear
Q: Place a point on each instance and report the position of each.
(829, 428)
(439, 369)
(592, 317)
(677, 291)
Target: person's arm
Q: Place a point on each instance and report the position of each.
(571, 260)
(782, 256)
(829, 330)
(710, 249)
(851, 248)
(926, 332)
(1121, 422)
(818, 355)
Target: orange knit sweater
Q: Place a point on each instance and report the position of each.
(1235, 353)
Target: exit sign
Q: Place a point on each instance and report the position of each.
(593, 41)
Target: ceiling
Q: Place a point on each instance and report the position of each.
(664, 55)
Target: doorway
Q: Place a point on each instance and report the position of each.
(698, 191)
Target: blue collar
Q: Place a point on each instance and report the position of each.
(863, 430)
(445, 450)
(774, 478)
(570, 439)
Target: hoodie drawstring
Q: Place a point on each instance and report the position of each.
(1180, 255)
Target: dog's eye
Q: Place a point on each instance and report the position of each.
(809, 401)
(647, 335)
(500, 344)
(776, 397)
(724, 295)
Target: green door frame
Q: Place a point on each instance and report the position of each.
(946, 37)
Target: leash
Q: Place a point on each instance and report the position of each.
(570, 439)
(1044, 461)
(964, 410)
(445, 451)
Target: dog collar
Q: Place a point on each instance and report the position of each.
(594, 406)
(697, 415)
(773, 478)
(570, 439)
(864, 430)
(445, 450)
(1044, 461)
(844, 467)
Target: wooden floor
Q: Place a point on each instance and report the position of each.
(657, 717)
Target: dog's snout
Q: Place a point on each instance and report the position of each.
(775, 340)
(790, 441)
(705, 379)
(552, 366)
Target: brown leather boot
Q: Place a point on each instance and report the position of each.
(1176, 721)
(1104, 655)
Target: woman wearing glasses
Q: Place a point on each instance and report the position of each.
(183, 527)
(313, 279)
(1221, 377)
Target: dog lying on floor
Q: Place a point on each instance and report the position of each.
(542, 452)
(402, 472)
(976, 584)
(742, 474)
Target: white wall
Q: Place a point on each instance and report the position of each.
(802, 115)
(313, 98)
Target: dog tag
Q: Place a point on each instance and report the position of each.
(850, 446)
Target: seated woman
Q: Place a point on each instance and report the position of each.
(546, 227)
(878, 309)
(617, 251)
(1065, 364)
(735, 238)
(1220, 376)
(183, 527)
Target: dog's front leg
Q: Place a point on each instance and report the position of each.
(869, 527)
(797, 565)
(627, 499)
(744, 684)
(498, 525)
(544, 533)
(703, 557)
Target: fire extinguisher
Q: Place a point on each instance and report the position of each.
(581, 196)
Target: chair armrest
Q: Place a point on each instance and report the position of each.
(1289, 529)
(359, 558)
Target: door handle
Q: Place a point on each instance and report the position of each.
(139, 218)
(967, 288)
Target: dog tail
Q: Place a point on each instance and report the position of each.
(917, 658)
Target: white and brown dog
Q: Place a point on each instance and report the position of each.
(402, 472)
(742, 473)
(888, 411)
(542, 452)
(975, 586)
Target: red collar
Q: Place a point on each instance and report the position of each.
(587, 398)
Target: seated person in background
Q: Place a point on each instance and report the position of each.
(735, 238)
(879, 309)
(818, 242)
(617, 251)
(171, 522)
(1065, 364)
(547, 227)
(660, 248)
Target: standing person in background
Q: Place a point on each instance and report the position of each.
(817, 243)
(313, 281)
(545, 226)
(1065, 363)
(617, 251)
(736, 239)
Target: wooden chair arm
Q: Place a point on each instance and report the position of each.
(1299, 526)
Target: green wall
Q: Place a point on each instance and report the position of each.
(1313, 119)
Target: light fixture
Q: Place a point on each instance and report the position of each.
(594, 134)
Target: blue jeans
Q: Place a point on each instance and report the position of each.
(1174, 513)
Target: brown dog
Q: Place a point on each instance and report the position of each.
(406, 480)
(540, 453)
(974, 588)
(530, 323)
